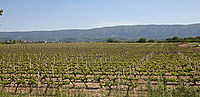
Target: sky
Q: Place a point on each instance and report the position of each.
(32, 15)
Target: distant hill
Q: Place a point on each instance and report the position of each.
(99, 34)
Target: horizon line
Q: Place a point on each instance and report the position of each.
(118, 25)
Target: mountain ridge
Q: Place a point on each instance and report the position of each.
(128, 32)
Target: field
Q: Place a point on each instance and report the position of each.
(97, 69)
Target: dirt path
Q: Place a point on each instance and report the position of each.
(184, 45)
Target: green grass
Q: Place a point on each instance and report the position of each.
(182, 90)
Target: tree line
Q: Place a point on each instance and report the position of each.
(144, 40)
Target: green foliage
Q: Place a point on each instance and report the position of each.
(111, 40)
(197, 37)
(187, 39)
(182, 90)
(56, 66)
(152, 40)
(1, 12)
(175, 38)
(142, 40)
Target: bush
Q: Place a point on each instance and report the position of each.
(152, 40)
(142, 40)
(113, 41)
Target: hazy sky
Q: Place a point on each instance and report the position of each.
(21, 15)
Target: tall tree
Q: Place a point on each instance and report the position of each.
(142, 40)
(175, 38)
(1, 12)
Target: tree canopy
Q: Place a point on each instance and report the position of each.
(142, 40)
(152, 40)
(175, 38)
(1, 12)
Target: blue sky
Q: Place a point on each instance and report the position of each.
(27, 15)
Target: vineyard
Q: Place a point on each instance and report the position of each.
(97, 69)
